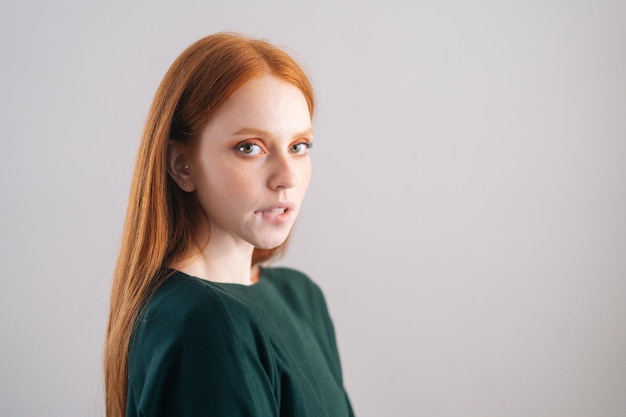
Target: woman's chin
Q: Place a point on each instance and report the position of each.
(268, 244)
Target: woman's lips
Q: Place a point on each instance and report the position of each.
(278, 214)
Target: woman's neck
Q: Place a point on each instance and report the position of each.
(221, 263)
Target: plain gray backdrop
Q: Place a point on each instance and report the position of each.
(466, 219)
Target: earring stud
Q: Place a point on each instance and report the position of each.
(186, 166)
(184, 183)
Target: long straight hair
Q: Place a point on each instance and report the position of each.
(162, 221)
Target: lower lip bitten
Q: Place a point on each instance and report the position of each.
(277, 216)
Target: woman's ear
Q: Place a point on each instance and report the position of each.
(178, 167)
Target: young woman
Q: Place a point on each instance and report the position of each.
(198, 327)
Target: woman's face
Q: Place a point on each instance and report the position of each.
(251, 168)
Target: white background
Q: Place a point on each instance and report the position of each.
(466, 219)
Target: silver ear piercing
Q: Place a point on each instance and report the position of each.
(185, 182)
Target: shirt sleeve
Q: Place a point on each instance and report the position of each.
(200, 362)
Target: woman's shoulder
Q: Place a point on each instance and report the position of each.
(292, 280)
(184, 303)
(191, 331)
(289, 277)
(297, 289)
(176, 291)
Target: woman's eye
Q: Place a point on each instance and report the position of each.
(250, 149)
(301, 148)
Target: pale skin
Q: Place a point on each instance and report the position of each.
(251, 170)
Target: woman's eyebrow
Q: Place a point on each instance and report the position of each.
(308, 132)
(252, 131)
(264, 133)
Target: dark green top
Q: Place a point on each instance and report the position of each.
(203, 348)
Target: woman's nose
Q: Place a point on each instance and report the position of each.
(283, 172)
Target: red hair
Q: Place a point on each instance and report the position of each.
(162, 220)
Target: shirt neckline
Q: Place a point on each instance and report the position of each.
(258, 283)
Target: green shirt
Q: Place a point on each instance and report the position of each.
(203, 348)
